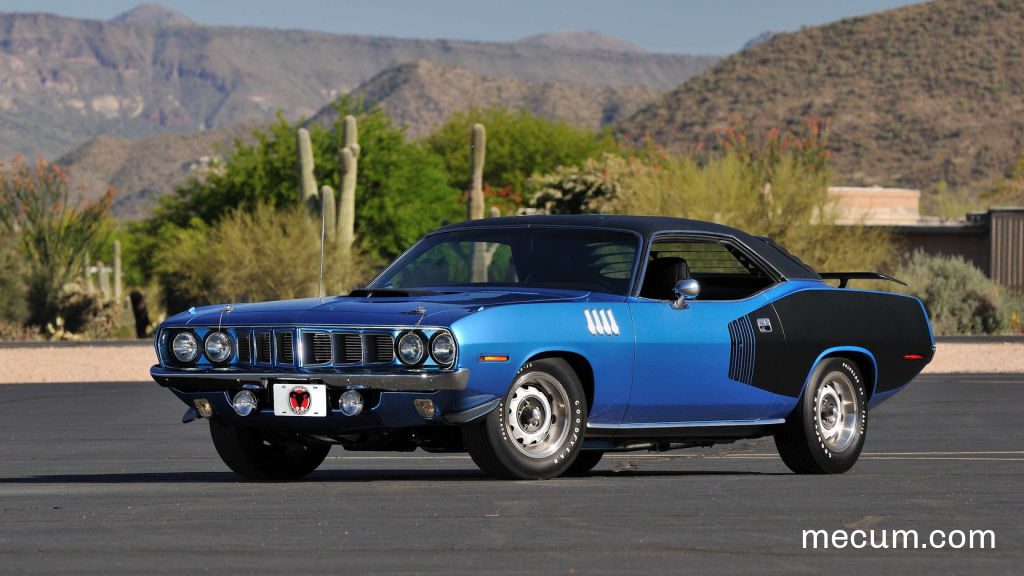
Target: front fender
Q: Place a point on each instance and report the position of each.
(524, 331)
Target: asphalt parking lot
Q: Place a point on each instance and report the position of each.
(103, 478)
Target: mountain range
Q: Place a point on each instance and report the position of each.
(915, 96)
(64, 81)
(420, 96)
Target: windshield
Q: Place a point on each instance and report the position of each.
(563, 258)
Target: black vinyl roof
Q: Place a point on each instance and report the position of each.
(647, 226)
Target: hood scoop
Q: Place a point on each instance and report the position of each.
(393, 293)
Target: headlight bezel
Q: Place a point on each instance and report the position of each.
(231, 346)
(454, 349)
(172, 347)
(424, 348)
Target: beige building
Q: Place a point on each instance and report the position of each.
(992, 240)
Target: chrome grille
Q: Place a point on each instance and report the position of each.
(285, 348)
(378, 348)
(316, 347)
(263, 348)
(348, 348)
(245, 347)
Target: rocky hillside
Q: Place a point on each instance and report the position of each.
(927, 93)
(423, 94)
(142, 170)
(64, 81)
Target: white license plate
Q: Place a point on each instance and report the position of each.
(300, 399)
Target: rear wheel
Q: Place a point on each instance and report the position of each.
(251, 455)
(825, 433)
(537, 429)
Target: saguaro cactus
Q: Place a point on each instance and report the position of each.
(330, 212)
(478, 147)
(307, 181)
(349, 164)
(475, 209)
(118, 276)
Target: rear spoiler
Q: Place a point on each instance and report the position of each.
(845, 277)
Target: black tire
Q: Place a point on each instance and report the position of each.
(825, 433)
(584, 463)
(250, 455)
(492, 441)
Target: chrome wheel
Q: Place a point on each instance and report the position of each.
(836, 412)
(537, 414)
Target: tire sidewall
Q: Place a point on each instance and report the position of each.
(555, 464)
(830, 460)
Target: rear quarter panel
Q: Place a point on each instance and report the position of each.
(818, 319)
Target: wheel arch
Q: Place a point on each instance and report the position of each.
(580, 365)
(862, 357)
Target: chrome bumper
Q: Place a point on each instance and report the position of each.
(398, 381)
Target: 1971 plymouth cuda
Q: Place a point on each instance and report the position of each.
(538, 343)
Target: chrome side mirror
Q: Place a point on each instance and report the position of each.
(685, 290)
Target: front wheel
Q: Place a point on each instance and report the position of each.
(825, 433)
(251, 455)
(537, 430)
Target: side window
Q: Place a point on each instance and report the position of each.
(724, 271)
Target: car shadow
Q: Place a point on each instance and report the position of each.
(361, 475)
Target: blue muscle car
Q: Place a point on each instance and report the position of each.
(538, 343)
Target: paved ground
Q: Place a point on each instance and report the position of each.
(103, 478)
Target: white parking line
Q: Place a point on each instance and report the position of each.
(984, 456)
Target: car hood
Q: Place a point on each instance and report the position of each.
(437, 309)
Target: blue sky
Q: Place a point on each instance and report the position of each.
(677, 26)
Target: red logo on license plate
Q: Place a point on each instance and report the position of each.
(299, 400)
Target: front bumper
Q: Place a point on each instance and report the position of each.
(391, 381)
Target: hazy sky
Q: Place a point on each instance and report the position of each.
(681, 26)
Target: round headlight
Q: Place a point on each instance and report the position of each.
(411, 348)
(184, 347)
(219, 347)
(442, 349)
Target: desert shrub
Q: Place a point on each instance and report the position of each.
(949, 203)
(13, 306)
(777, 189)
(249, 256)
(84, 313)
(1010, 190)
(18, 332)
(959, 297)
(55, 232)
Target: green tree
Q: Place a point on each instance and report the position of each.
(519, 145)
(401, 191)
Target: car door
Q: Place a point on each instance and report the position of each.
(696, 364)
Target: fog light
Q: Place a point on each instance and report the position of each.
(204, 407)
(424, 407)
(351, 402)
(244, 403)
